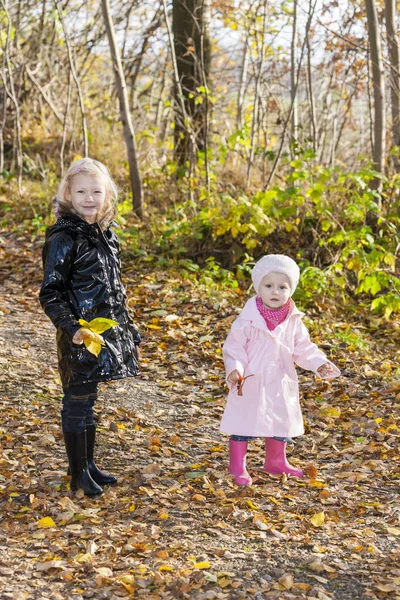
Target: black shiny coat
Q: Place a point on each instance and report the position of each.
(82, 279)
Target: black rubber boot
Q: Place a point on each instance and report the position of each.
(76, 446)
(98, 476)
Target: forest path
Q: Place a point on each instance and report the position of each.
(176, 526)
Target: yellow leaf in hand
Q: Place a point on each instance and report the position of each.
(318, 519)
(98, 325)
(93, 341)
(91, 336)
(93, 347)
(91, 330)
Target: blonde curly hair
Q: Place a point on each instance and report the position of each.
(93, 168)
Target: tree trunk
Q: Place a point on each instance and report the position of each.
(379, 90)
(311, 98)
(65, 123)
(243, 83)
(192, 44)
(3, 108)
(258, 75)
(293, 75)
(7, 73)
(129, 133)
(394, 56)
(76, 79)
(289, 116)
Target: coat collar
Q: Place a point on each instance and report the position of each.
(251, 313)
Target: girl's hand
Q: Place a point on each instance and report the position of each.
(78, 337)
(234, 376)
(326, 370)
(138, 352)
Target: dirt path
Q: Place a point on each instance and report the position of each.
(176, 526)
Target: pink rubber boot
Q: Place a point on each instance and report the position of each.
(237, 462)
(275, 460)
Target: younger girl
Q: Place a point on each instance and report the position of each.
(264, 342)
(82, 280)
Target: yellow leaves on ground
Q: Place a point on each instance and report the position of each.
(318, 519)
(138, 539)
(91, 333)
(83, 558)
(202, 565)
(316, 483)
(199, 497)
(46, 522)
(330, 412)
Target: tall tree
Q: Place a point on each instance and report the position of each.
(394, 56)
(378, 80)
(293, 75)
(262, 8)
(76, 78)
(129, 132)
(192, 44)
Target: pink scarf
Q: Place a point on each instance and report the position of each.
(273, 316)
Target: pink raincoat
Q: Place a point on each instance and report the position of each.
(270, 403)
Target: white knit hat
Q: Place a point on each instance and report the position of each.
(277, 263)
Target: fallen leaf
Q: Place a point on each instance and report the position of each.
(104, 571)
(202, 565)
(318, 519)
(311, 471)
(286, 581)
(46, 522)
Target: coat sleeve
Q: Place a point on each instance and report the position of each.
(234, 348)
(307, 354)
(57, 263)
(135, 333)
(132, 327)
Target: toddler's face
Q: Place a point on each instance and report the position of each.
(274, 290)
(87, 196)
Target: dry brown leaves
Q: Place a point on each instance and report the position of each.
(176, 526)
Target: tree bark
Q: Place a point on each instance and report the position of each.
(394, 56)
(192, 44)
(289, 116)
(311, 99)
(379, 91)
(258, 75)
(65, 122)
(7, 73)
(3, 109)
(76, 79)
(129, 133)
(243, 83)
(293, 75)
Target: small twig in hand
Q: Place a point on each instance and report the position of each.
(240, 384)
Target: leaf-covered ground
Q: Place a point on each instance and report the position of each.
(177, 526)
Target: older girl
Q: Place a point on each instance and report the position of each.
(82, 280)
